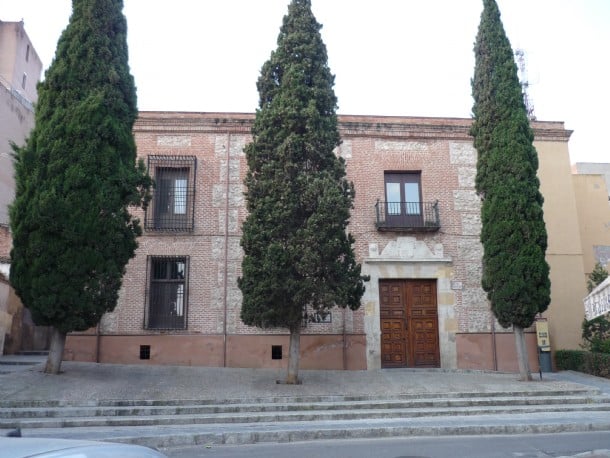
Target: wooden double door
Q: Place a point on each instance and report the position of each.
(409, 323)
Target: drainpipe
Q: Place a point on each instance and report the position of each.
(226, 266)
(97, 343)
(493, 342)
(344, 343)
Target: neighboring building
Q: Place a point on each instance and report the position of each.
(592, 190)
(416, 222)
(594, 168)
(20, 70)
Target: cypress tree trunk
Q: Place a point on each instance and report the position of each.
(292, 377)
(524, 368)
(58, 342)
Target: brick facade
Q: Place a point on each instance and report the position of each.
(439, 149)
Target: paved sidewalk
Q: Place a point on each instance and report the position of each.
(82, 382)
(90, 381)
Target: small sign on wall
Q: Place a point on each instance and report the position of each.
(317, 318)
(457, 285)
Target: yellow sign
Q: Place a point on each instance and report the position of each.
(542, 335)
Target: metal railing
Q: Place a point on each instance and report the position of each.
(407, 216)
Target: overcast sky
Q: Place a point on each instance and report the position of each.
(390, 57)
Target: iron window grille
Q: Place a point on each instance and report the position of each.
(172, 207)
(167, 292)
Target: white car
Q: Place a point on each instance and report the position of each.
(31, 447)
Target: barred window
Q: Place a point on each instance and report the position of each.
(167, 292)
(173, 202)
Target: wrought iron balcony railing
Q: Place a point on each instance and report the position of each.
(407, 216)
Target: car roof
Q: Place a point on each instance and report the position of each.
(30, 447)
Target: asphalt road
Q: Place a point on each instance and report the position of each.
(522, 446)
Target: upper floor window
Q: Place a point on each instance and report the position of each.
(403, 196)
(24, 80)
(404, 209)
(173, 202)
(27, 53)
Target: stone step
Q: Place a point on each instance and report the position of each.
(150, 413)
(33, 353)
(312, 416)
(8, 403)
(197, 409)
(247, 433)
(19, 361)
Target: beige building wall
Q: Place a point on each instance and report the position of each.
(20, 66)
(594, 168)
(564, 252)
(591, 191)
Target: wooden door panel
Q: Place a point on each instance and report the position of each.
(423, 328)
(393, 343)
(409, 323)
(393, 324)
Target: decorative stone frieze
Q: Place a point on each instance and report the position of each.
(393, 145)
(174, 141)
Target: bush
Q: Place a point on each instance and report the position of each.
(583, 361)
(596, 334)
(569, 360)
(598, 275)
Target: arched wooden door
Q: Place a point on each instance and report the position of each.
(409, 323)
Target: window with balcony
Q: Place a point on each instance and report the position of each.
(403, 208)
(172, 205)
(167, 292)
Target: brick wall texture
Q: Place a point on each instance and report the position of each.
(440, 149)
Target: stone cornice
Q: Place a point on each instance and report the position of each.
(181, 122)
(349, 126)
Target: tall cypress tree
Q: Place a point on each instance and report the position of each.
(298, 255)
(515, 272)
(76, 177)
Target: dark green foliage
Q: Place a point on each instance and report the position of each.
(569, 360)
(596, 334)
(596, 277)
(77, 174)
(597, 364)
(515, 273)
(297, 251)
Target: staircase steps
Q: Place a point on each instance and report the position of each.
(159, 423)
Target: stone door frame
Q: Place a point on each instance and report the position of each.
(408, 258)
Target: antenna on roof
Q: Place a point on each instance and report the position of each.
(529, 104)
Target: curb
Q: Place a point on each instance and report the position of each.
(244, 438)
